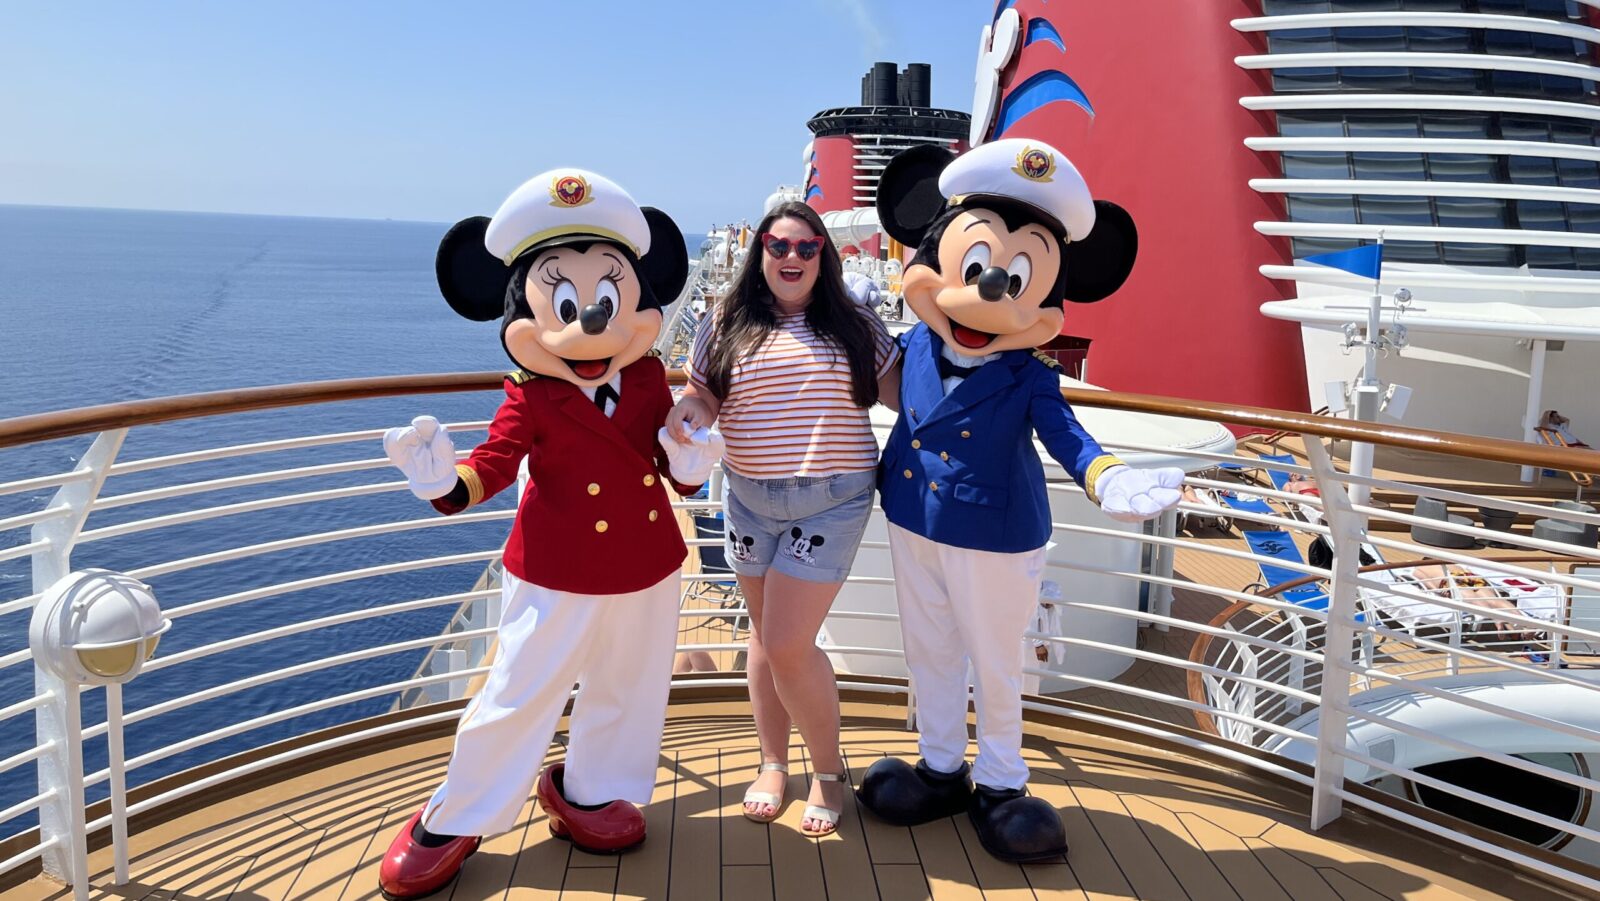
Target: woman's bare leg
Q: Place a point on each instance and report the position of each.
(772, 720)
(802, 675)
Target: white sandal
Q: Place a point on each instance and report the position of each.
(769, 798)
(822, 814)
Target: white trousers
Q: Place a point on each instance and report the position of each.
(959, 605)
(619, 648)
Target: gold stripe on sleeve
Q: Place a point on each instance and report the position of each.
(474, 484)
(1097, 468)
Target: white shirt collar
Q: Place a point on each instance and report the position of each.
(966, 362)
(616, 385)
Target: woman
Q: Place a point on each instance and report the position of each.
(789, 366)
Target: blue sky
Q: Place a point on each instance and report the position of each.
(435, 111)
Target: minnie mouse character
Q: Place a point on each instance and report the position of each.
(577, 273)
(1004, 235)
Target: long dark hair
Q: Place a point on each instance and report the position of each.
(749, 313)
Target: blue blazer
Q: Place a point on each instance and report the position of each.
(961, 469)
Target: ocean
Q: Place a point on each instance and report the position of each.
(102, 306)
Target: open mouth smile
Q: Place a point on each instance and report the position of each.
(969, 338)
(589, 369)
(790, 274)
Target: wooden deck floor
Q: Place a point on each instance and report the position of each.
(1142, 824)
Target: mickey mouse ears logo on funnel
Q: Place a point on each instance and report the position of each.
(570, 191)
(1035, 164)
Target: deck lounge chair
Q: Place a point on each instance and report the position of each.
(1583, 612)
(1553, 430)
(1279, 545)
(1215, 513)
(724, 592)
(1425, 619)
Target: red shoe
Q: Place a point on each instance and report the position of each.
(411, 870)
(612, 829)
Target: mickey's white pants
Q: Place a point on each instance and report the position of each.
(959, 605)
(619, 648)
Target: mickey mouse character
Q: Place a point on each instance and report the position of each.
(742, 547)
(1004, 235)
(577, 273)
(799, 546)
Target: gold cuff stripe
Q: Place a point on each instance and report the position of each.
(1097, 468)
(474, 484)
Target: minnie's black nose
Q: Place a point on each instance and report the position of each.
(992, 283)
(593, 319)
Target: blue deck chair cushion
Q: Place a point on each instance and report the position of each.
(1279, 545)
(1248, 505)
(1280, 479)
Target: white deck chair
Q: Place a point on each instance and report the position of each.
(1583, 612)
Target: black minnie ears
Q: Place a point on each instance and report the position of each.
(911, 209)
(474, 281)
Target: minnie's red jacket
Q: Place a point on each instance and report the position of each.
(596, 519)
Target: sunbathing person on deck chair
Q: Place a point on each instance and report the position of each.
(1557, 425)
(1472, 589)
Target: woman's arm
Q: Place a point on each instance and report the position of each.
(697, 408)
(889, 387)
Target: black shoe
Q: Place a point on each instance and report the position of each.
(1015, 827)
(907, 796)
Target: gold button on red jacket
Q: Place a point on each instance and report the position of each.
(557, 540)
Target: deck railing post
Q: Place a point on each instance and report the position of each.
(1347, 529)
(58, 722)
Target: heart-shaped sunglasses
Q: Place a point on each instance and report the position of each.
(778, 248)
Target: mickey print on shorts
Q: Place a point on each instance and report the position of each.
(799, 547)
(743, 548)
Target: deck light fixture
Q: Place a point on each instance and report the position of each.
(96, 627)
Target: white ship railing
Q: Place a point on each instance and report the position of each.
(1262, 682)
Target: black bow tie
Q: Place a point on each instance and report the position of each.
(604, 393)
(949, 370)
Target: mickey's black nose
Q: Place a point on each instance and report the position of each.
(593, 319)
(992, 283)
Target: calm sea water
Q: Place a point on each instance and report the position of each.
(101, 306)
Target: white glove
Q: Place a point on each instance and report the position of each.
(690, 464)
(424, 453)
(863, 290)
(1135, 495)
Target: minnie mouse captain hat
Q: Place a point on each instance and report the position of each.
(564, 206)
(1024, 171)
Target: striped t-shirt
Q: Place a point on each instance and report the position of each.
(789, 409)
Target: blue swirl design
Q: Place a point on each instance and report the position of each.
(815, 191)
(1040, 29)
(1001, 7)
(1040, 90)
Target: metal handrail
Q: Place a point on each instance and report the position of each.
(1283, 675)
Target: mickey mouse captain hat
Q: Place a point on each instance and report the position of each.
(1024, 171)
(572, 204)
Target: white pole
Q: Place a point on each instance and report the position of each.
(119, 781)
(1346, 528)
(1369, 390)
(1530, 416)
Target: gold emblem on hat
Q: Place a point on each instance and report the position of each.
(1036, 164)
(570, 191)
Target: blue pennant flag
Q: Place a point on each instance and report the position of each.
(1363, 261)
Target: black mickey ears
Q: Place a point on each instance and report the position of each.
(908, 192)
(472, 280)
(1099, 264)
(666, 267)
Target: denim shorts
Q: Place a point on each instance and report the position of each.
(807, 527)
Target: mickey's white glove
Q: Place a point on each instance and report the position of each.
(424, 453)
(863, 290)
(690, 464)
(1135, 495)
